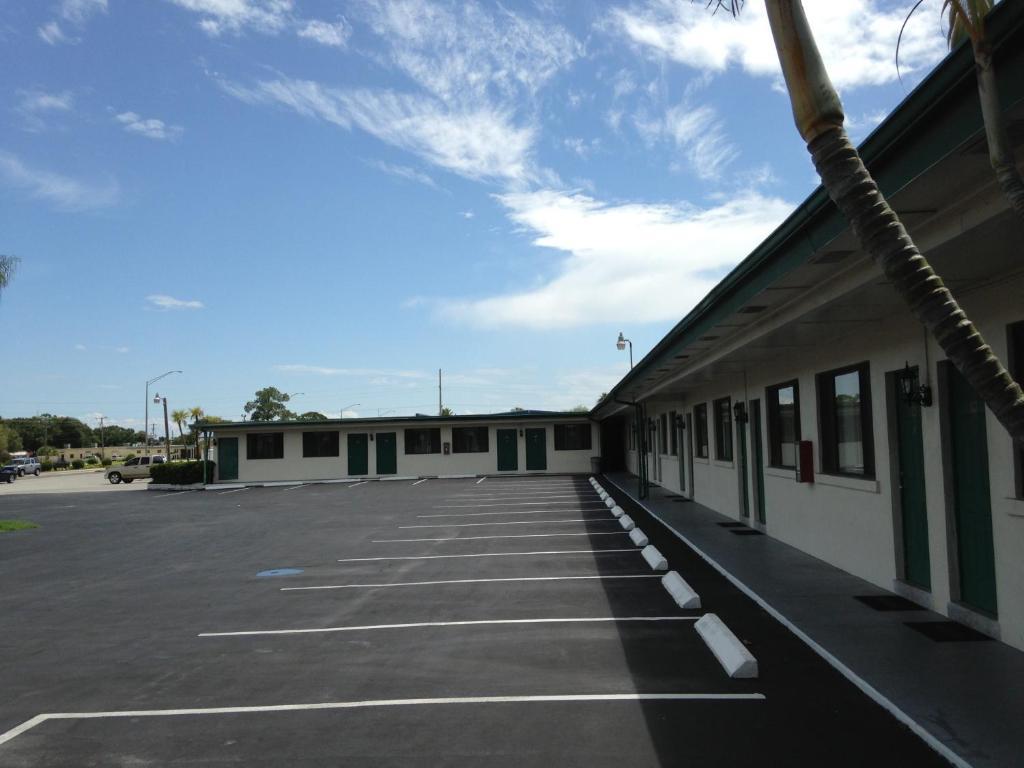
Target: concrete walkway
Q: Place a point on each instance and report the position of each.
(969, 696)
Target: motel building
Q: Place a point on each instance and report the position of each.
(514, 443)
(803, 398)
(800, 396)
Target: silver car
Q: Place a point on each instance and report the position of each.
(132, 469)
(22, 467)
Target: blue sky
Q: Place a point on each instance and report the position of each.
(339, 198)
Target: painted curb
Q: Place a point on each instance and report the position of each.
(455, 477)
(681, 592)
(174, 487)
(618, 511)
(654, 558)
(627, 523)
(609, 502)
(390, 478)
(735, 659)
(639, 537)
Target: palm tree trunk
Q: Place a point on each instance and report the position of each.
(1000, 151)
(818, 113)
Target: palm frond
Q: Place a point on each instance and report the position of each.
(8, 265)
(731, 6)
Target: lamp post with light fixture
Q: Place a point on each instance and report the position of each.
(167, 424)
(621, 345)
(145, 427)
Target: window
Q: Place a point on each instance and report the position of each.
(723, 429)
(663, 426)
(1016, 365)
(700, 428)
(783, 423)
(469, 440)
(844, 408)
(673, 431)
(572, 437)
(264, 445)
(426, 440)
(319, 444)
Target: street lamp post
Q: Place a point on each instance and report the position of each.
(350, 405)
(167, 425)
(145, 427)
(621, 345)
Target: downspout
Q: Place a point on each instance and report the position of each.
(641, 445)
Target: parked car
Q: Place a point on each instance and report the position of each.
(132, 469)
(8, 474)
(29, 466)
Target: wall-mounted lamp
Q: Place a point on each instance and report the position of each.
(652, 425)
(520, 433)
(739, 411)
(680, 422)
(922, 395)
(371, 437)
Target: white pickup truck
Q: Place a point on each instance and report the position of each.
(132, 469)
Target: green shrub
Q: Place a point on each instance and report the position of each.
(46, 466)
(129, 456)
(181, 472)
(91, 461)
(78, 464)
(106, 462)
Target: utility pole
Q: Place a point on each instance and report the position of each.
(103, 443)
(167, 431)
(440, 401)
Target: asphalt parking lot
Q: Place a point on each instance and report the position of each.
(442, 622)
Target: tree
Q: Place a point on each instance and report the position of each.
(8, 264)
(446, 411)
(312, 416)
(818, 114)
(269, 405)
(579, 409)
(966, 21)
(179, 417)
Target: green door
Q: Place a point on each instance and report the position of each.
(508, 451)
(755, 438)
(972, 502)
(227, 457)
(742, 465)
(387, 453)
(536, 450)
(910, 454)
(680, 452)
(358, 457)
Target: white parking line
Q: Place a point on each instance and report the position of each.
(490, 554)
(481, 479)
(420, 481)
(168, 494)
(429, 624)
(510, 536)
(233, 490)
(470, 581)
(511, 504)
(329, 705)
(356, 485)
(517, 497)
(516, 522)
(297, 487)
(510, 512)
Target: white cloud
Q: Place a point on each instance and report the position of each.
(320, 370)
(81, 347)
(151, 128)
(51, 33)
(122, 350)
(220, 16)
(477, 144)
(698, 132)
(36, 105)
(62, 191)
(324, 32)
(403, 172)
(162, 301)
(644, 262)
(857, 38)
(74, 12)
(467, 214)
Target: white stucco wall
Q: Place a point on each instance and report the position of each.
(851, 522)
(295, 467)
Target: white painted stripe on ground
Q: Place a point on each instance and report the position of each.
(235, 490)
(510, 536)
(510, 512)
(455, 477)
(514, 504)
(515, 497)
(869, 690)
(514, 522)
(432, 624)
(470, 581)
(297, 487)
(487, 554)
(281, 483)
(420, 481)
(481, 479)
(354, 485)
(370, 703)
(168, 494)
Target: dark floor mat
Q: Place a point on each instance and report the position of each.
(947, 631)
(745, 532)
(888, 603)
(732, 525)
